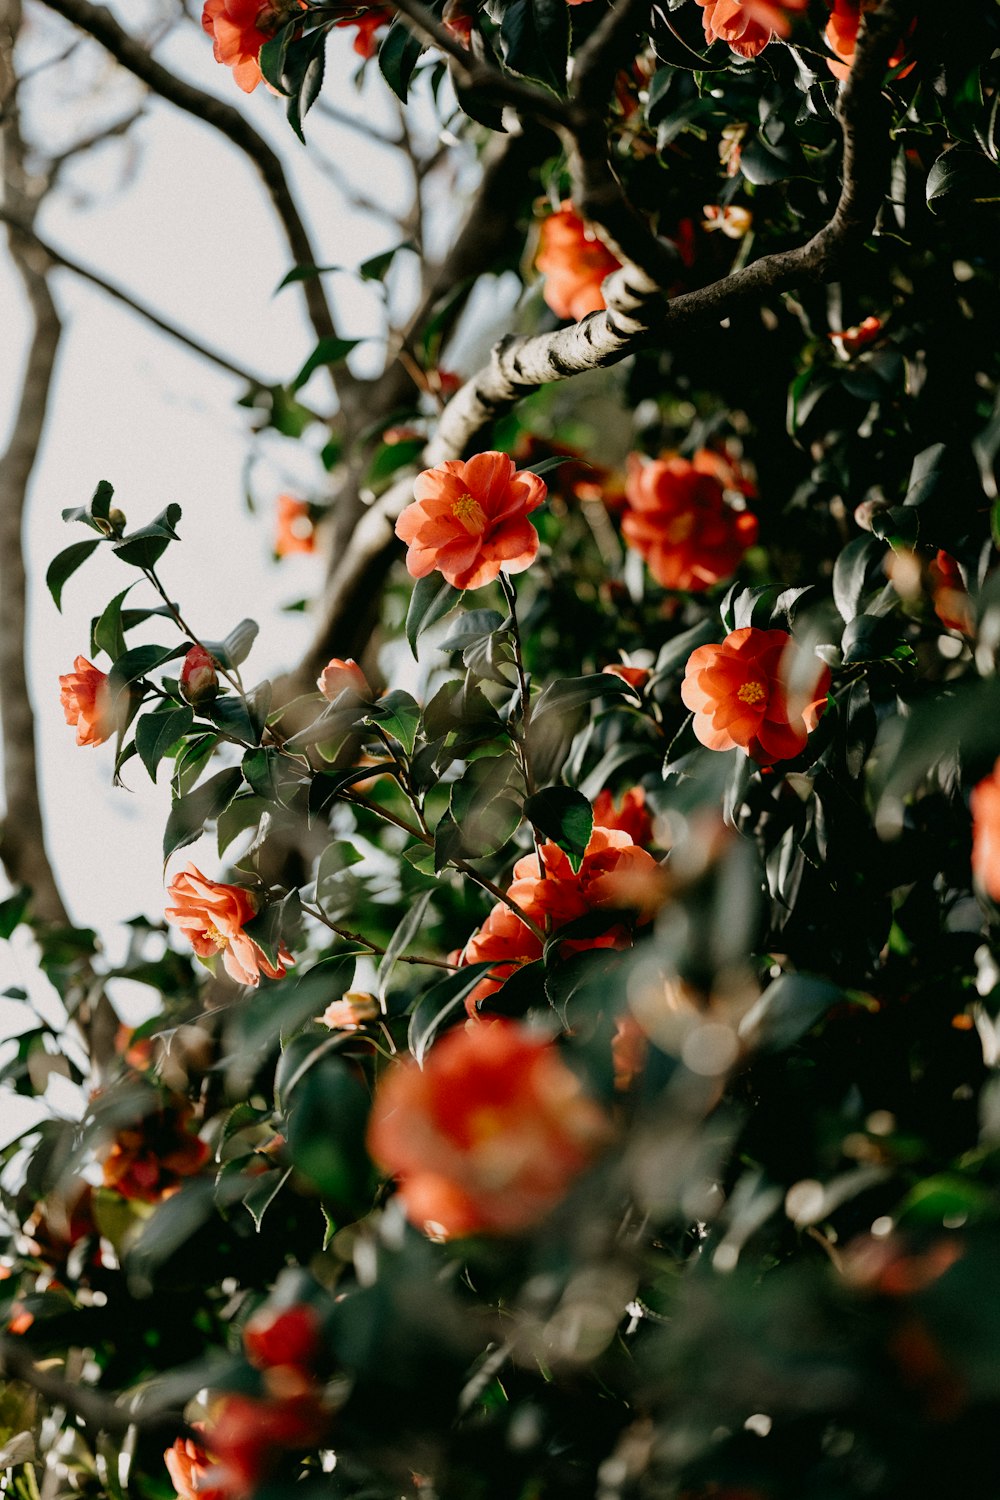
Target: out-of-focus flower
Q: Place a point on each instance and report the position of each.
(629, 1048)
(199, 680)
(148, 1160)
(574, 263)
(731, 147)
(354, 1010)
(239, 28)
(636, 677)
(339, 676)
(84, 696)
(294, 530)
(370, 20)
(985, 804)
(488, 1135)
(630, 816)
(678, 518)
(748, 25)
(284, 1336)
(249, 1434)
(852, 340)
(469, 520)
(614, 873)
(194, 1475)
(949, 595)
(735, 222)
(841, 36)
(739, 693)
(212, 917)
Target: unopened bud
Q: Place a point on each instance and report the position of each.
(355, 1010)
(199, 679)
(338, 676)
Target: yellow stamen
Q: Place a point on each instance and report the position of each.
(752, 693)
(215, 936)
(471, 514)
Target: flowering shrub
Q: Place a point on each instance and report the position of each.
(598, 1092)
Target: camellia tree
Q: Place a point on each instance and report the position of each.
(573, 1077)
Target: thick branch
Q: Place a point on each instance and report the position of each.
(18, 226)
(22, 842)
(100, 24)
(99, 1412)
(637, 317)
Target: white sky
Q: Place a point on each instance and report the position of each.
(181, 220)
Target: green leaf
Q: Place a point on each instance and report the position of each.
(787, 1009)
(108, 633)
(145, 547)
(326, 1133)
(273, 924)
(135, 664)
(565, 816)
(64, 565)
(329, 351)
(242, 720)
(398, 56)
(442, 1006)
(158, 732)
(535, 36)
(12, 911)
(400, 941)
(271, 58)
(853, 573)
(485, 809)
(472, 625)
(303, 75)
(245, 811)
(399, 714)
(431, 600)
(376, 267)
(191, 812)
(304, 273)
(234, 648)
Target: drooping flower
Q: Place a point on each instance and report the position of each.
(985, 804)
(747, 25)
(488, 1136)
(148, 1160)
(741, 693)
(212, 916)
(574, 263)
(841, 36)
(470, 520)
(194, 1474)
(630, 816)
(284, 1336)
(370, 20)
(341, 675)
(84, 696)
(199, 680)
(239, 28)
(294, 530)
(679, 519)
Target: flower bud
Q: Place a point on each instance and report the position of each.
(338, 676)
(636, 677)
(355, 1010)
(199, 679)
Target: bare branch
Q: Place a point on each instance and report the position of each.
(100, 24)
(98, 1412)
(109, 288)
(22, 842)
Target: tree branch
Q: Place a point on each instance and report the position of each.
(22, 839)
(98, 1412)
(100, 24)
(57, 258)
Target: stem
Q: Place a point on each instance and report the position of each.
(520, 738)
(356, 937)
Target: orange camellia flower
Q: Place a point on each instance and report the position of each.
(239, 28)
(250, 1434)
(294, 530)
(985, 804)
(355, 1009)
(194, 1475)
(678, 518)
(636, 677)
(574, 263)
(504, 938)
(339, 676)
(147, 1161)
(284, 1336)
(631, 816)
(371, 20)
(949, 595)
(488, 1135)
(613, 873)
(470, 520)
(841, 36)
(747, 25)
(850, 341)
(739, 694)
(83, 694)
(212, 916)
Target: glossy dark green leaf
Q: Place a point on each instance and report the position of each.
(431, 600)
(329, 351)
(157, 732)
(64, 565)
(398, 56)
(442, 1006)
(565, 816)
(191, 812)
(145, 547)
